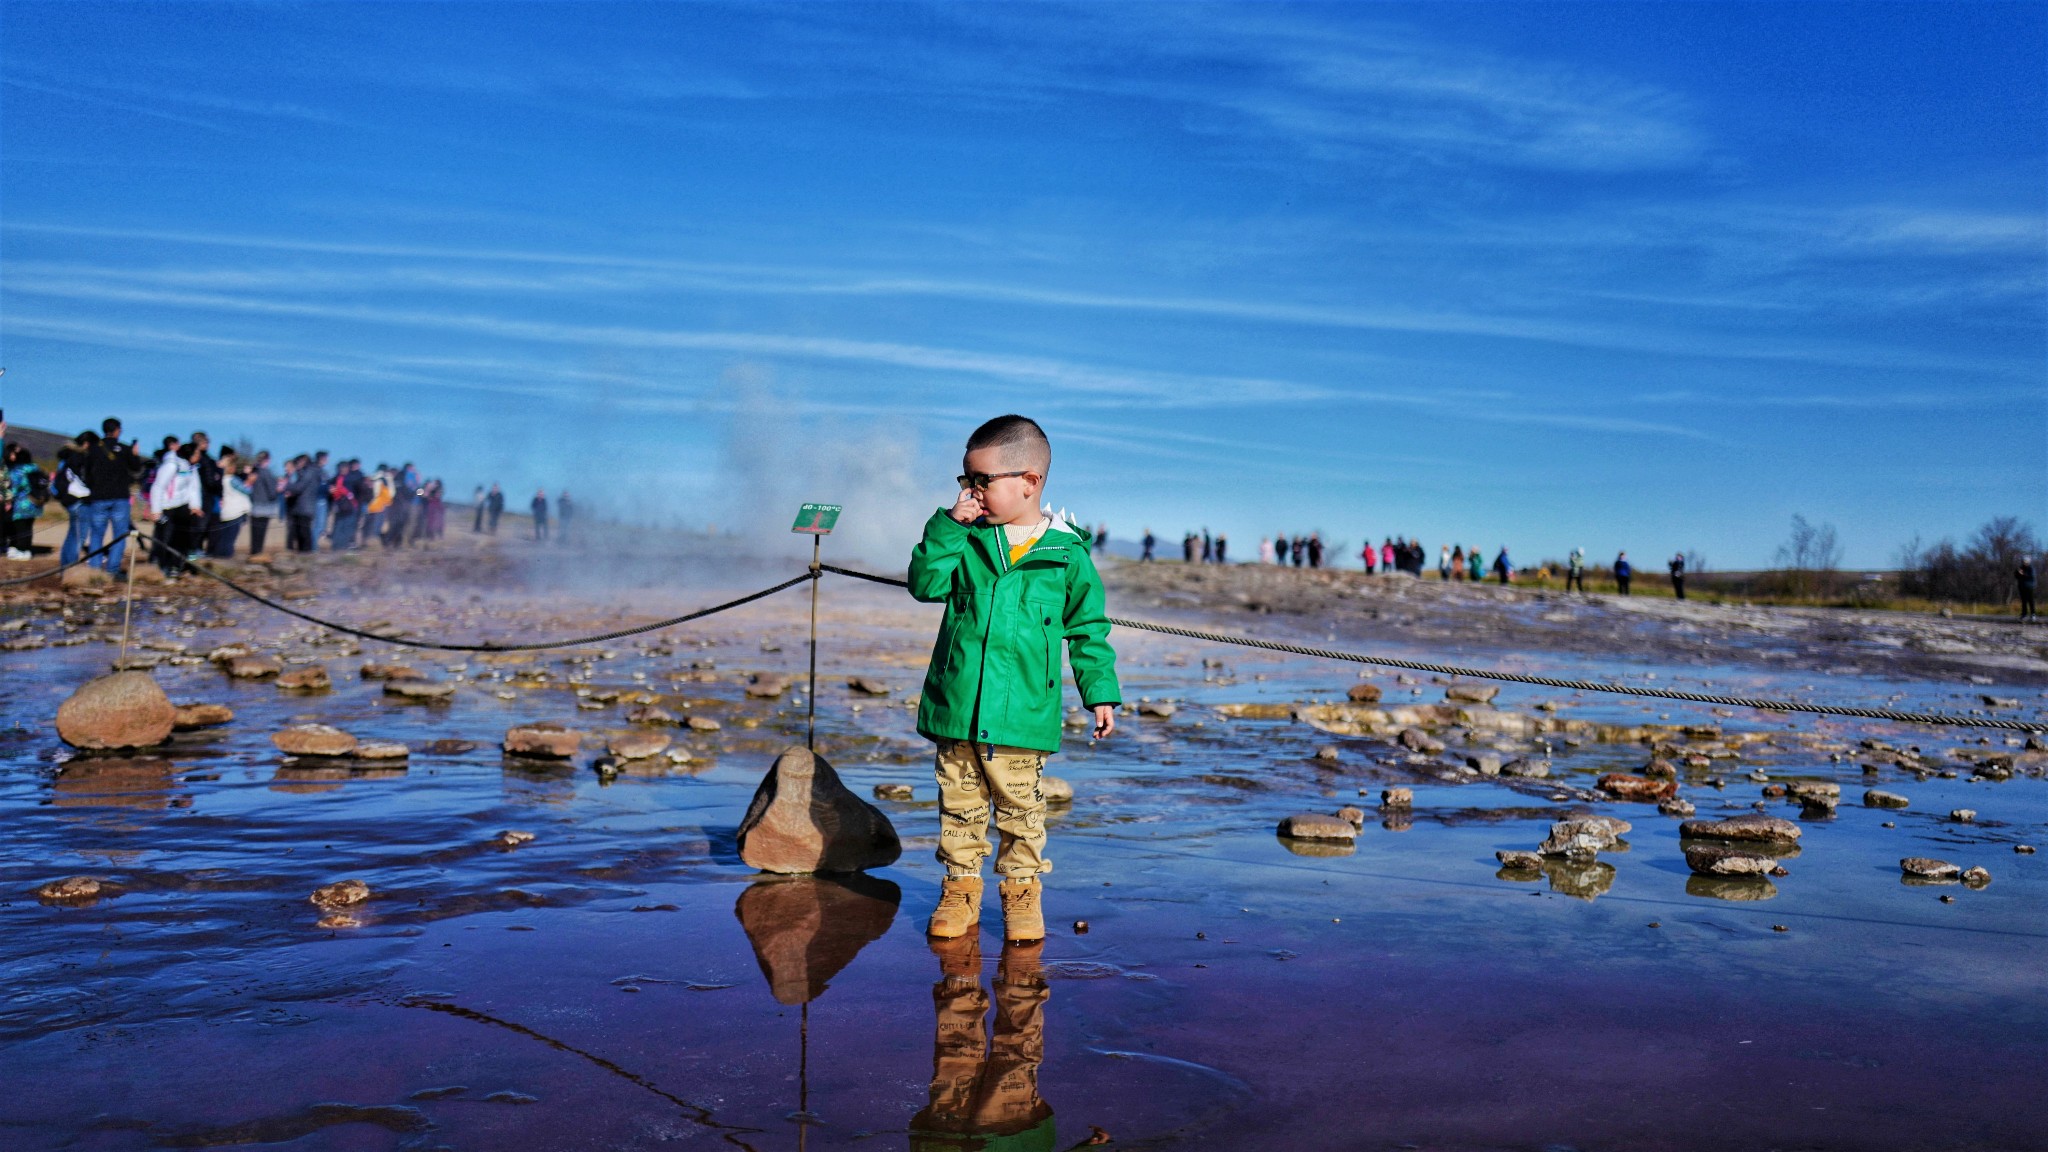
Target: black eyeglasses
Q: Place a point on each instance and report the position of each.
(979, 481)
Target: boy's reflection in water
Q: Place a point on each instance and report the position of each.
(984, 1095)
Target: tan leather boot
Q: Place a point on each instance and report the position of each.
(959, 910)
(1022, 920)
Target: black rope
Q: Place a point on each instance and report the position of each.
(572, 642)
(1761, 703)
(49, 572)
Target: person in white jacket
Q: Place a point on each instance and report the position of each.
(175, 500)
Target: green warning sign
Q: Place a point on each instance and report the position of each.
(816, 518)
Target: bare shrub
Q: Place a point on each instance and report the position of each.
(1981, 571)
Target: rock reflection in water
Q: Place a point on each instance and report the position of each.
(304, 778)
(984, 1090)
(806, 929)
(1318, 847)
(1581, 880)
(144, 782)
(1737, 888)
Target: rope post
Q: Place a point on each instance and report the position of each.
(811, 695)
(128, 608)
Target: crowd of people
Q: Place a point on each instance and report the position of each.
(198, 500)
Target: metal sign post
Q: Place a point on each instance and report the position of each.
(818, 520)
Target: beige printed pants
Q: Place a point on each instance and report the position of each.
(971, 782)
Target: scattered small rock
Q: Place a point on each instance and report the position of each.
(1362, 693)
(450, 747)
(426, 691)
(1515, 861)
(1661, 769)
(340, 894)
(189, 717)
(1625, 786)
(314, 740)
(1484, 763)
(1976, 877)
(254, 667)
(1963, 815)
(382, 750)
(374, 671)
(867, 687)
(652, 714)
(546, 741)
(1352, 815)
(1676, 806)
(1316, 826)
(512, 838)
(1416, 740)
(1080, 927)
(1472, 693)
(637, 745)
(1056, 790)
(1879, 798)
(1157, 709)
(70, 888)
(701, 724)
(1754, 826)
(894, 792)
(766, 685)
(1397, 797)
(2023, 849)
(1927, 868)
(1327, 752)
(1991, 701)
(1715, 860)
(313, 679)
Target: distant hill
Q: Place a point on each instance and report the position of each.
(42, 443)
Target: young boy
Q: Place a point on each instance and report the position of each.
(1015, 583)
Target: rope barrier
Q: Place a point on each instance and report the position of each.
(1761, 703)
(572, 642)
(61, 568)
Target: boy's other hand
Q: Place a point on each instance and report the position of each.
(1105, 720)
(967, 509)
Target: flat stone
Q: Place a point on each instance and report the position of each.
(1472, 693)
(1352, 815)
(804, 819)
(1055, 790)
(382, 750)
(1157, 709)
(314, 740)
(1525, 767)
(448, 747)
(1362, 693)
(1625, 786)
(1676, 806)
(702, 724)
(1879, 798)
(867, 687)
(375, 671)
(893, 792)
(766, 686)
(653, 714)
(1484, 763)
(254, 667)
(1397, 797)
(229, 653)
(1416, 740)
(1754, 826)
(426, 691)
(1928, 868)
(1801, 790)
(340, 894)
(313, 679)
(1718, 860)
(512, 838)
(1316, 826)
(120, 710)
(546, 741)
(637, 745)
(1976, 877)
(1515, 861)
(189, 717)
(70, 888)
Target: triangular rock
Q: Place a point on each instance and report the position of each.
(803, 819)
(124, 710)
(806, 929)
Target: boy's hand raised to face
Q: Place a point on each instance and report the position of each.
(967, 509)
(1105, 720)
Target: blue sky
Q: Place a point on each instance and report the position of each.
(1643, 276)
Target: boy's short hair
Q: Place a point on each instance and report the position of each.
(1020, 438)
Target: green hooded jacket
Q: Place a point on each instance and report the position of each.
(995, 670)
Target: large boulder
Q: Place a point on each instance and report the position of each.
(805, 929)
(123, 710)
(804, 819)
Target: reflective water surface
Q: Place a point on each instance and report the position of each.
(622, 980)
